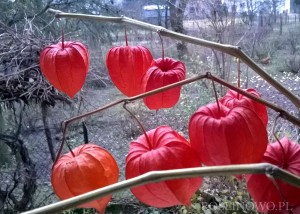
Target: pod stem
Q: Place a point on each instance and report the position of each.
(277, 139)
(215, 93)
(239, 75)
(275, 183)
(162, 47)
(126, 38)
(62, 39)
(70, 149)
(85, 133)
(284, 163)
(137, 120)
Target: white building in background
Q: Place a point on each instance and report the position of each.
(287, 6)
(241, 5)
(156, 14)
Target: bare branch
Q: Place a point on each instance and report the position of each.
(229, 49)
(208, 75)
(157, 176)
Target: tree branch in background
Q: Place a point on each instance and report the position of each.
(229, 49)
(44, 109)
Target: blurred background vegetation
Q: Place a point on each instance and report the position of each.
(31, 110)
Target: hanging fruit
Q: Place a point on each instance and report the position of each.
(126, 67)
(163, 71)
(163, 150)
(233, 98)
(224, 136)
(65, 65)
(90, 168)
(286, 155)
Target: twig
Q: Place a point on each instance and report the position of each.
(117, 102)
(229, 49)
(282, 112)
(157, 176)
(138, 122)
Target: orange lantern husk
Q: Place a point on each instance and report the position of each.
(91, 168)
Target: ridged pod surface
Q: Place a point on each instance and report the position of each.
(233, 98)
(161, 73)
(65, 65)
(92, 167)
(262, 189)
(227, 136)
(126, 66)
(165, 150)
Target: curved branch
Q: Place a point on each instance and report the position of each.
(208, 75)
(229, 49)
(157, 176)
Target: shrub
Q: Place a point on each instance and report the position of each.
(293, 64)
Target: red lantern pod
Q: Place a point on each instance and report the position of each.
(65, 65)
(233, 98)
(228, 136)
(165, 150)
(126, 67)
(163, 72)
(262, 189)
(92, 167)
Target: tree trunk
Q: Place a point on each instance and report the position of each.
(2, 124)
(2, 199)
(281, 21)
(23, 180)
(176, 19)
(44, 108)
(159, 19)
(166, 17)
